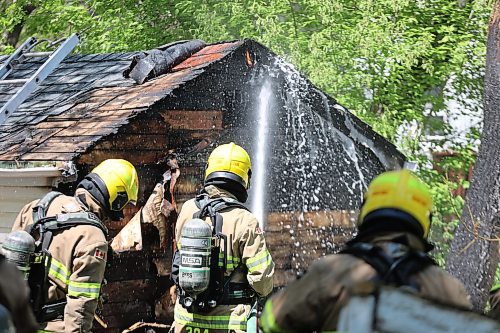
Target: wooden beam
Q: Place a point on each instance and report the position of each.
(143, 157)
(134, 142)
(193, 120)
(314, 219)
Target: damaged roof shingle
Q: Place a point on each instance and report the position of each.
(87, 88)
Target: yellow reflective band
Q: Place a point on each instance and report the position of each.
(59, 271)
(259, 261)
(42, 331)
(85, 289)
(252, 261)
(232, 262)
(229, 265)
(183, 317)
(268, 321)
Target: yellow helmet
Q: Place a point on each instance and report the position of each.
(398, 192)
(118, 182)
(229, 161)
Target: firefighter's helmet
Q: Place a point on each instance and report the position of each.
(117, 181)
(229, 161)
(399, 196)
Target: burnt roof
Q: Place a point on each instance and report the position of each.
(85, 99)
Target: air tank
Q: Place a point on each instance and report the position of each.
(18, 248)
(195, 249)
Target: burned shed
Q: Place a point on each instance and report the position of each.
(312, 158)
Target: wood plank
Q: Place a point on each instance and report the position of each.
(122, 112)
(183, 138)
(63, 148)
(133, 141)
(26, 181)
(12, 153)
(8, 203)
(193, 120)
(129, 290)
(325, 218)
(81, 108)
(22, 193)
(136, 265)
(42, 156)
(145, 157)
(8, 216)
(127, 313)
(108, 122)
(141, 125)
(97, 130)
(67, 144)
(131, 265)
(48, 123)
(195, 62)
(125, 104)
(100, 118)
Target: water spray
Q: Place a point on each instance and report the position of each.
(259, 160)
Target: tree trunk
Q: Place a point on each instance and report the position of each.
(474, 255)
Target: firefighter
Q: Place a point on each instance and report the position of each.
(77, 244)
(390, 248)
(14, 296)
(241, 270)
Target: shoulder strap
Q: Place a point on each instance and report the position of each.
(212, 208)
(42, 206)
(207, 205)
(371, 254)
(68, 220)
(398, 271)
(61, 221)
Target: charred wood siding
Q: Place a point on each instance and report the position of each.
(295, 240)
(155, 135)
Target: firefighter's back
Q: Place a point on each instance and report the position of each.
(78, 256)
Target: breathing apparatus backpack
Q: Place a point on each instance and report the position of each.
(201, 278)
(29, 250)
(397, 271)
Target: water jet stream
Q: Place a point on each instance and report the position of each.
(259, 159)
